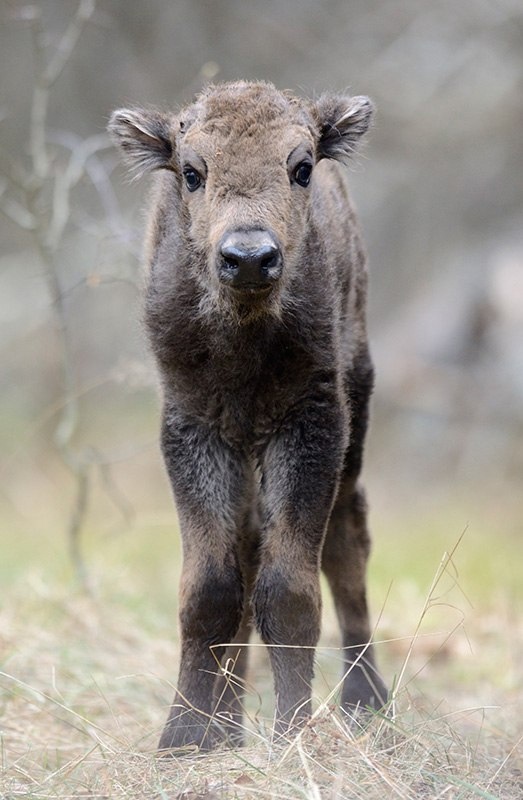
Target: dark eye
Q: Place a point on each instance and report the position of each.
(302, 173)
(193, 180)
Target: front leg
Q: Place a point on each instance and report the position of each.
(208, 480)
(300, 476)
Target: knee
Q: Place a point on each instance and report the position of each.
(286, 611)
(211, 605)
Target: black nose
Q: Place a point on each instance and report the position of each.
(249, 260)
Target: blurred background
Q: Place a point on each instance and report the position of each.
(439, 187)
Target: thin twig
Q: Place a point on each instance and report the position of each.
(67, 180)
(46, 76)
(15, 211)
(68, 42)
(75, 526)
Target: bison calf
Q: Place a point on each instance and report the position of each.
(256, 314)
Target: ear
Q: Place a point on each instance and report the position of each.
(144, 136)
(342, 120)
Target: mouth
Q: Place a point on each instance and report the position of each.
(251, 291)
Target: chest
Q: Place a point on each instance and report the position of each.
(241, 383)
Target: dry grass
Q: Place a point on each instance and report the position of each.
(82, 707)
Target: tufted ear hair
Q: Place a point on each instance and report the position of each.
(145, 138)
(342, 121)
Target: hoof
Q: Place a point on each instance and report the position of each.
(186, 731)
(362, 695)
(189, 732)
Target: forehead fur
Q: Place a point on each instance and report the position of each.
(239, 109)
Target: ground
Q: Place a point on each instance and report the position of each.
(86, 680)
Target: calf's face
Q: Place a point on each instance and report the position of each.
(242, 157)
(246, 158)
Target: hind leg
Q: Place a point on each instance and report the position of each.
(344, 561)
(346, 551)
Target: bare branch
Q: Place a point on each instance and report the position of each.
(47, 75)
(39, 103)
(69, 416)
(85, 156)
(16, 174)
(33, 185)
(104, 188)
(67, 180)
(83, 485)
(114, 493)
(68, 42)
(15, 211)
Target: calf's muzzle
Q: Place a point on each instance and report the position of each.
(249, 261)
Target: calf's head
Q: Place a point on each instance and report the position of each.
(242, 160)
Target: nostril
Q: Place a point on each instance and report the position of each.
(230, 263)
(269, 262)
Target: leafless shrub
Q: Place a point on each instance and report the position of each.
(38, 198)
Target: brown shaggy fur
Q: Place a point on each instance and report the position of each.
(256, 314)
